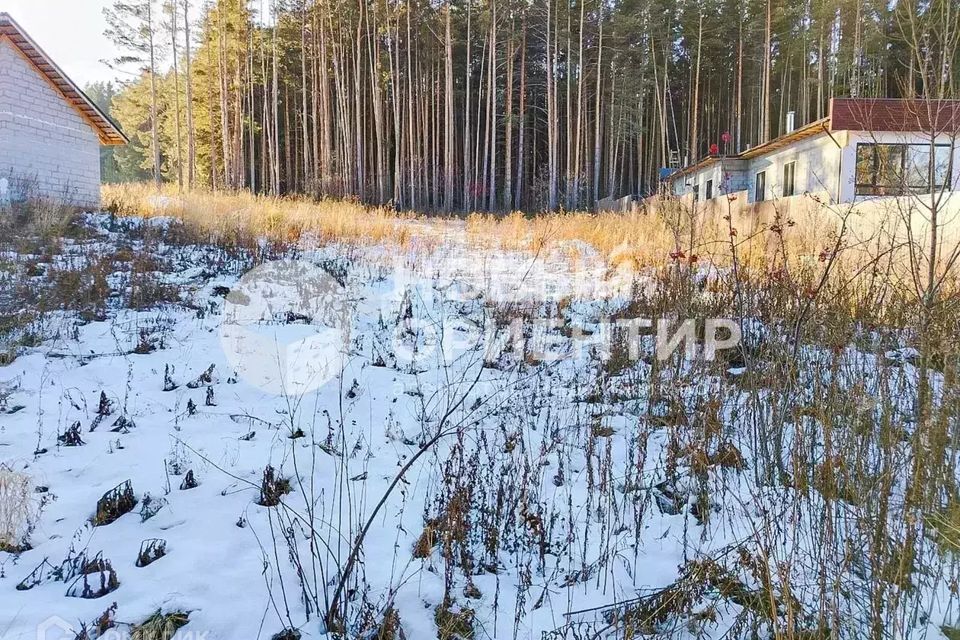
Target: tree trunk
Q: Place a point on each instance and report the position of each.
(522, 118)
(695, 101)
(448, 120)
(767, 89)
(154, 137)
(191, 131)
(598, 110)
(466, 112)
(176, 94)
(574, 198)
(508, 123)
(551, 112)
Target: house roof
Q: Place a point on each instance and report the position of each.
(883, 114)
(856, 114)
(807, 131)
(108, 132)
(704, 163)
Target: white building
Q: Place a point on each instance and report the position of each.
(50, 132)
(863, 149)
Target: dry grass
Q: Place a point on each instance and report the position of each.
(47, 218)
(946, 523)
(636, 239)
(287, 219)
(17, 507)
(640, 238)
(273, 487)
(854, 261)
(115, 503)
(796, 235)
(454, 623)
(160, 626)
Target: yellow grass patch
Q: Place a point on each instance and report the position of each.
(799, 233)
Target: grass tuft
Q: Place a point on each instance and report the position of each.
(160, 626)
(454, 623)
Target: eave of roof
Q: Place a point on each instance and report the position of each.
(703, 163)
(807, 131)
(107, 131)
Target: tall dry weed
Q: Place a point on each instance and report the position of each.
(17, 507)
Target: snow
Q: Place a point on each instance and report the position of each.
(587, 518)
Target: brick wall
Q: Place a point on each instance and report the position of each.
(45, 144)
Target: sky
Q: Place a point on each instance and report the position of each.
(71, 32)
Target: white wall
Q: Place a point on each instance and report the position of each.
(44, 141)
(728, 175)
(825, 163)
(848, 187)
(817, 169)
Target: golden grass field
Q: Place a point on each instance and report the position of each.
(799, 234)
(641, 237)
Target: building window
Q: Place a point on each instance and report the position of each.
(760, 190)
(897, 169)
(789, 179)
(696, 191)
(709, 190)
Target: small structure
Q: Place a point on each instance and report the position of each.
(863, 149)
(50, 132)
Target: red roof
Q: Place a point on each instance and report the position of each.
(882, 114)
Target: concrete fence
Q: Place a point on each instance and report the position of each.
(817, 219)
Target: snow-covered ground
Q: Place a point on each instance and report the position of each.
(546, 478)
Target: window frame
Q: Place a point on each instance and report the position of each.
(903, 185)
(791, 182)
(708, 190)
(760, 186)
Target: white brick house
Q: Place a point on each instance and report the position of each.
(50, 132)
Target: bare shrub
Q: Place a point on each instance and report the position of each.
(273, 487)
(27, 211)
(85, 291)
(390, 628)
